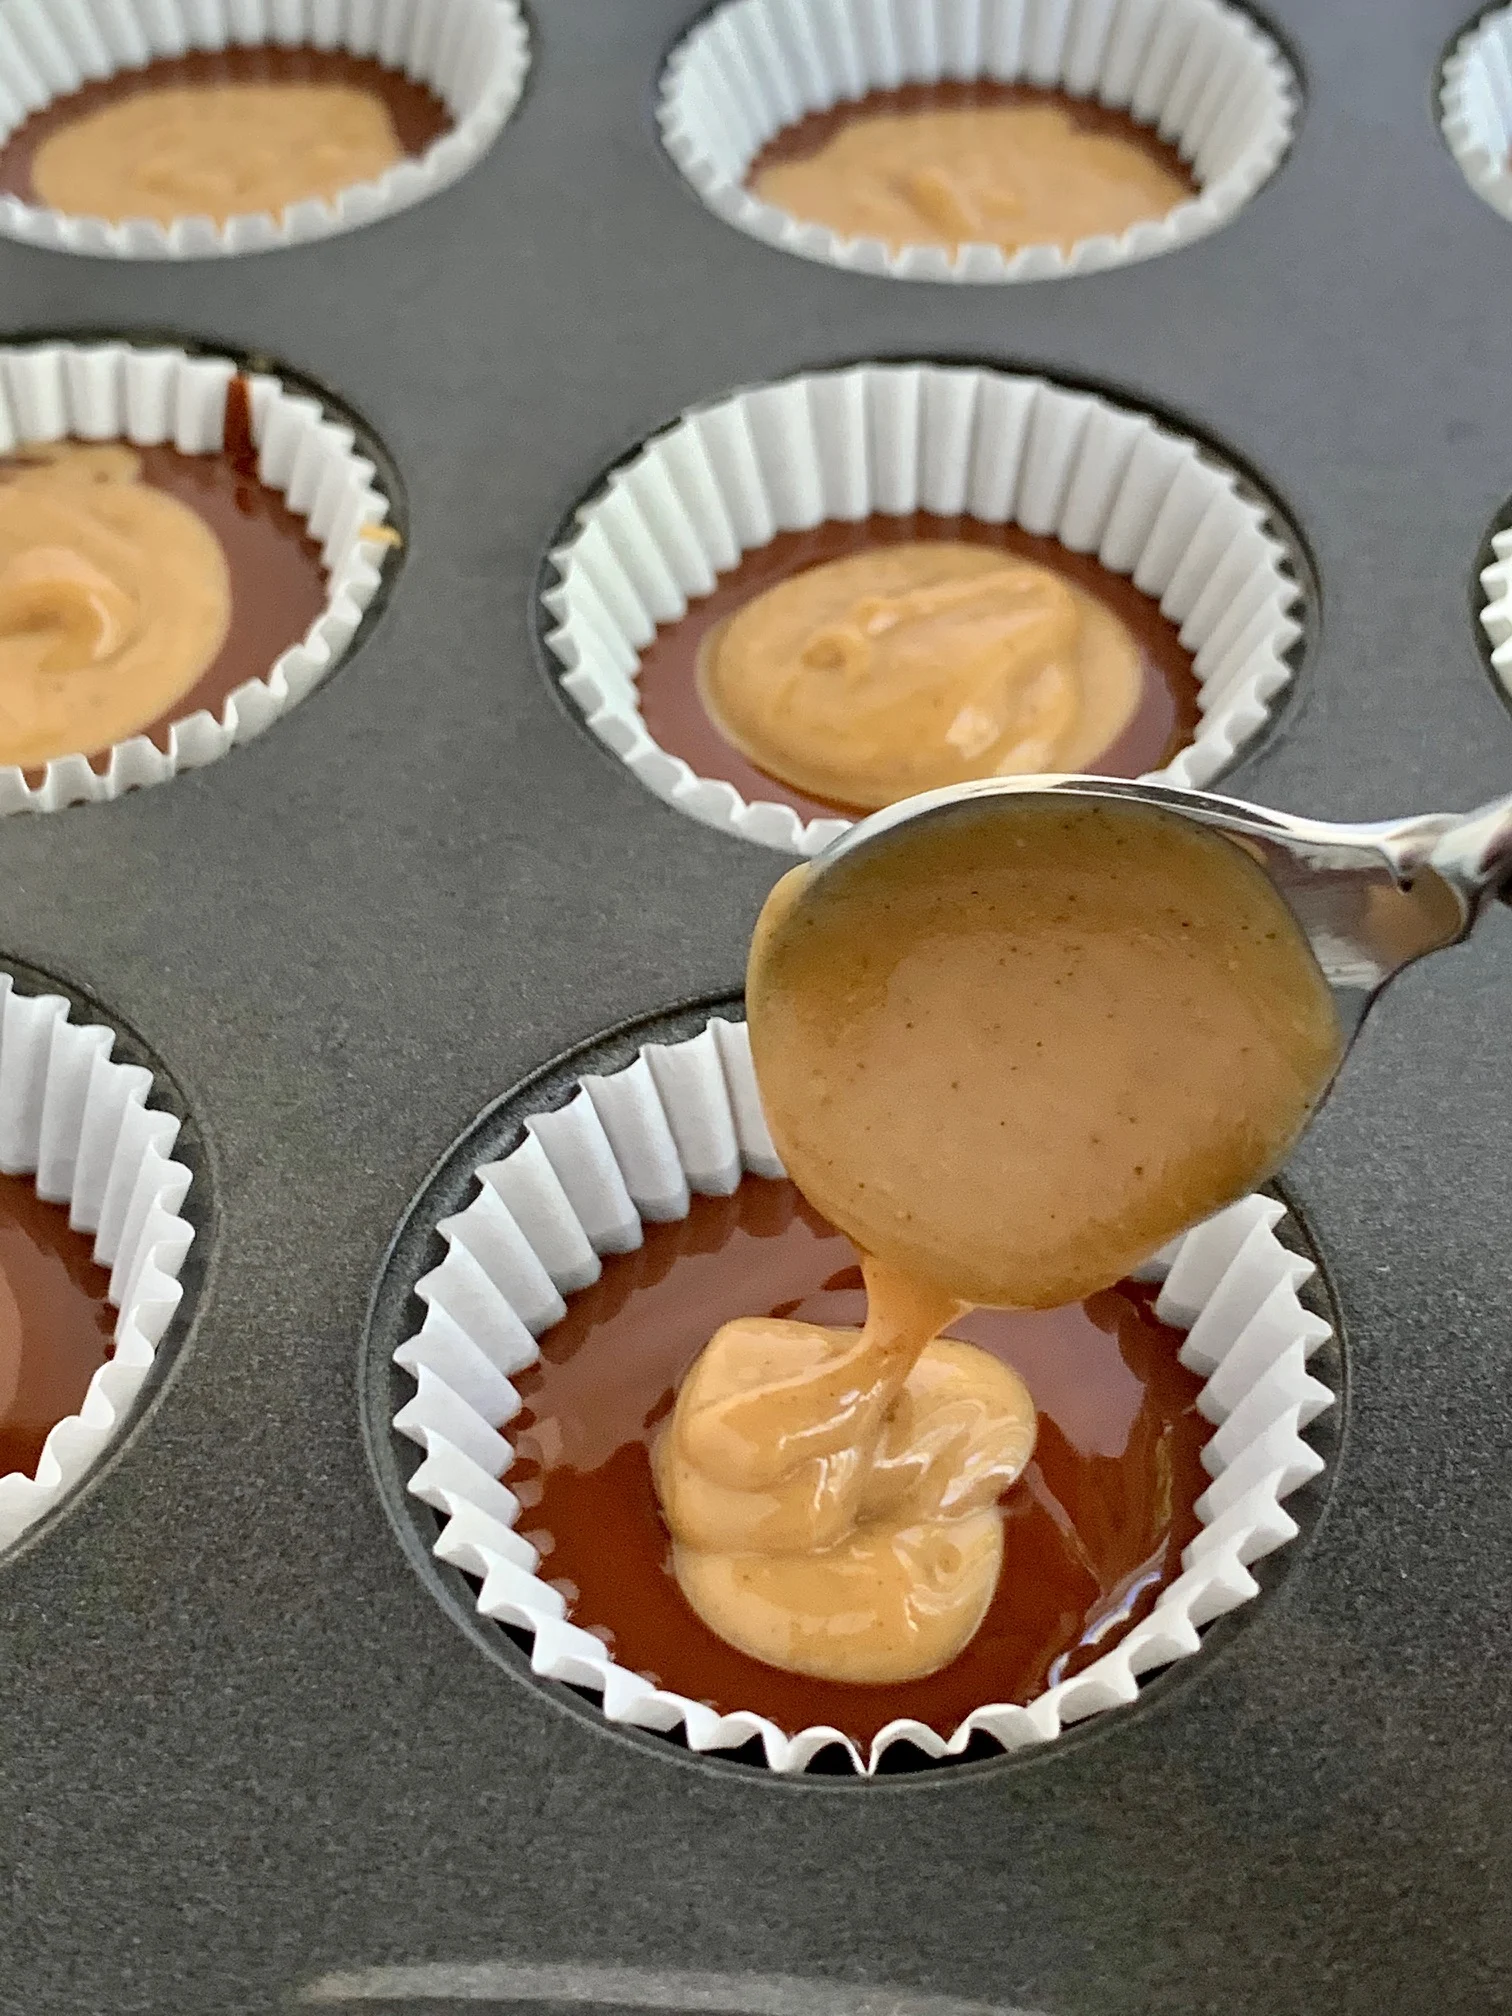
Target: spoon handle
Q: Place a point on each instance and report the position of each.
(1475, 853)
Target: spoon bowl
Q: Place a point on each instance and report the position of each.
(1371, 898)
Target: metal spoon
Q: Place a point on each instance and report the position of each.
(1371, 898)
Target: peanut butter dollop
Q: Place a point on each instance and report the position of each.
(114, 599)
(215, 150)
(832, 1494)
(867, 679)
(1005, 175)
(1010, 1054)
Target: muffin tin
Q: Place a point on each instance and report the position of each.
(249, 1761)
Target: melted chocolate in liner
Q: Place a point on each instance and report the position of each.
(1095, 1527)
(673, 709)
(418, 114)
(278, 584)
(807, 135)
(56, 1325)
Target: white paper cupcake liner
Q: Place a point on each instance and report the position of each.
(81, 1124)
(1475, 104)
(112, 391)
(1148, 502)
(472, 53)
(1201, 73)
(630, 1148)
(1496, 611)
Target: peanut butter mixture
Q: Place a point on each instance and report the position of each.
(1005, 175)
(832, 1494)
(1010, 1056)
(114, 599)
(868, 679)
(215, 150)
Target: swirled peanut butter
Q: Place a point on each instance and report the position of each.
(832, 1494)
(1093, 1530)
(215, 150)
(114, 598)
(894, 671)
(1006, 175)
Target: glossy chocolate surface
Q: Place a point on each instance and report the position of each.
(278, 584)
(676, 717)
(56, 1326)
(419, 117)
(1094, 1528)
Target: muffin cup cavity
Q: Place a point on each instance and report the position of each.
(1199, 72)
(1149, 503)
(83, 1125)
(630, 1147)
(472, 53)
(1475, 105)
(145, 397)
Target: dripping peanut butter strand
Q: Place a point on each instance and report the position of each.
(747, 1430)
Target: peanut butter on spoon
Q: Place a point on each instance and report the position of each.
(1010, 1056)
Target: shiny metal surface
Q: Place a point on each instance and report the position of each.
(1371, 897)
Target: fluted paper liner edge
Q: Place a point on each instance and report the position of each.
(630, 1147)
(1201, 73)
(1475, 106)
(1496, 609)
(474, 54)
(1150, 503)
(115, 391)
(81, 1124)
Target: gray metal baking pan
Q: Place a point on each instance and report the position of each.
(247, 1761)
